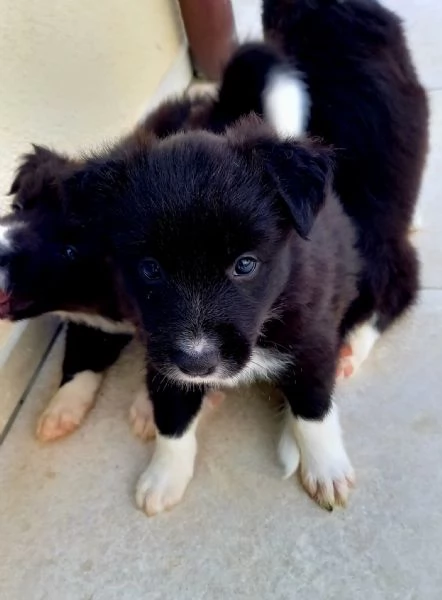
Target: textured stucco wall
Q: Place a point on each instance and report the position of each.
(74, 73)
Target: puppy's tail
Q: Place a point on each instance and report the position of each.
(258, 79)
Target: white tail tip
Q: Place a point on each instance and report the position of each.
(286, 103)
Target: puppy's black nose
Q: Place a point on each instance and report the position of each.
(196, 364)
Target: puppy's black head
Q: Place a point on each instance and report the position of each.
(50, 256)
(206, 229)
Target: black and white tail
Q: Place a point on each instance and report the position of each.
(258, 79)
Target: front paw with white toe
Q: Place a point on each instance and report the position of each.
(325, 469)
(329, 480)
(69, 407)
(163, 483)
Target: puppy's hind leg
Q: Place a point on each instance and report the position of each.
(400, 276)
(400, 291)
(357, 347)
(88, 353)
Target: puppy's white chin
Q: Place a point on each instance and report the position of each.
(263, 364)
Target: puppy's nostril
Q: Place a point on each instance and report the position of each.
(196, 365)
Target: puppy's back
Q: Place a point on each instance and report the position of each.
(366, 99)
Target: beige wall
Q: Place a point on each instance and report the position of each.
(74, 73)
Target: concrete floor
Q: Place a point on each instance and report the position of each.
(68, 524)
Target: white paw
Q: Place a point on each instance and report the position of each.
(356, 349)
(163, 483)
(326, 472)
(329, 481)
(141, 416)
(69, 407)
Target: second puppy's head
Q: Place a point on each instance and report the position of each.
(207, 231)
(52, 257)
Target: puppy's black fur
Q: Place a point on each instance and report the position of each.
(185, 211)
(367, 102)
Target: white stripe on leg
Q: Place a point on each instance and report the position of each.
(163, 483)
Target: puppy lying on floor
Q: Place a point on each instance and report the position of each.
(52, 259)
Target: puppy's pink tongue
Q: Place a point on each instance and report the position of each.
(4, 297)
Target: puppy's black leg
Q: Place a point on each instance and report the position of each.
(88, 353)
(401, 287)
(176, 415)
(312, 434)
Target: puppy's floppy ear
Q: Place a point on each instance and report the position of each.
(299, 171)
(300, 174)
(91, 191)
(37, 176)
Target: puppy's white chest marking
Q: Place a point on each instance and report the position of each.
(263, 364)
(97, 321)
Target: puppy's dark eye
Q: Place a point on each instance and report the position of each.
(150, 270)
(70, 252)
(245, 265)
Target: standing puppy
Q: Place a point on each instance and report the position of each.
(367, 102)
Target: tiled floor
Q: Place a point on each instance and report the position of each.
(69, 528)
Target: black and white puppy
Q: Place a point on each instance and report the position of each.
(242, 265)
(367, 102)
(54, 259)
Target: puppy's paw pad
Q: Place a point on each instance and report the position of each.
(159, 490)
(141, 418)
(347, 362)
(57, 421)
(329, 485)
(69, 407)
